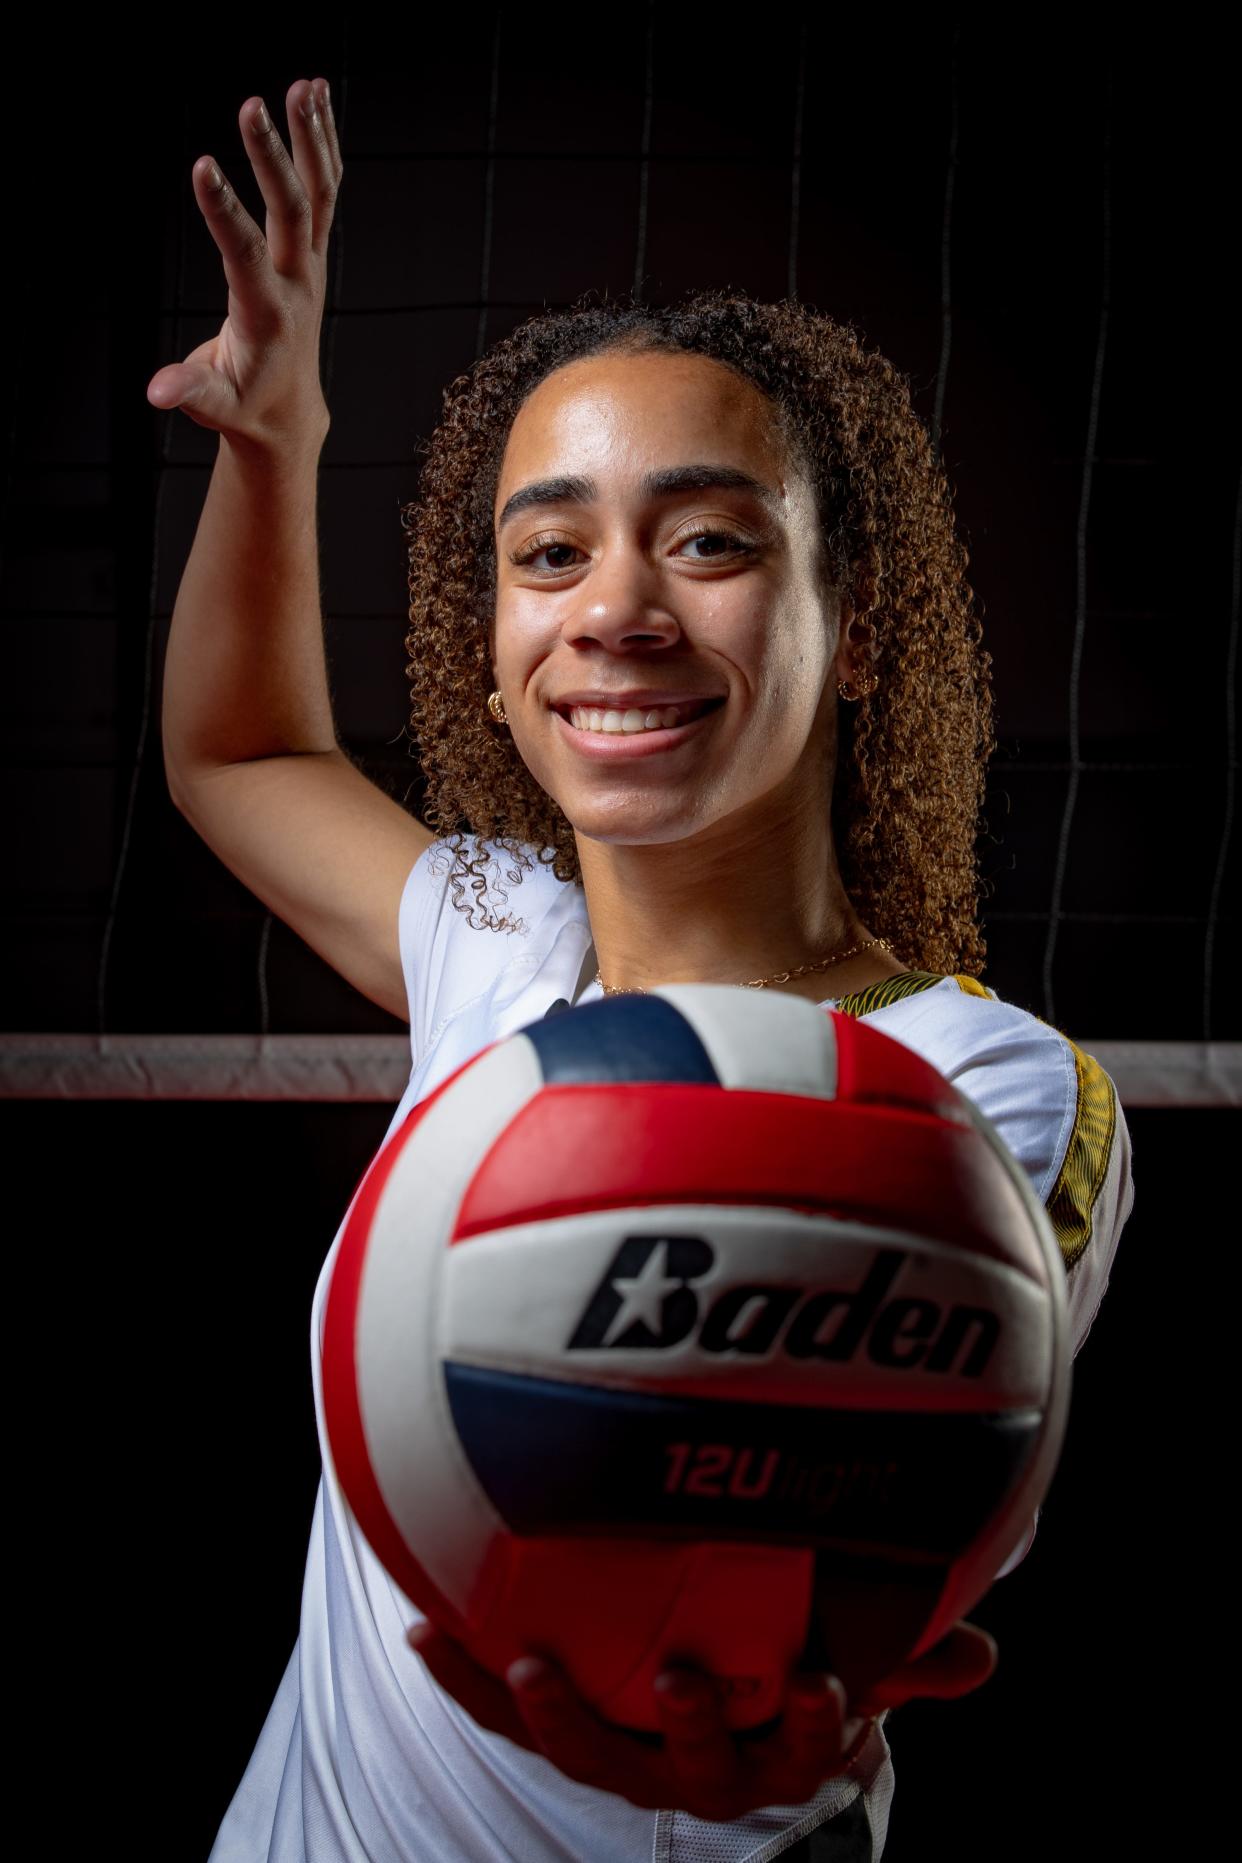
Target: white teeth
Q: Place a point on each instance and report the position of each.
(586, 718)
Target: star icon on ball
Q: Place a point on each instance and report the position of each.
(643, 1296)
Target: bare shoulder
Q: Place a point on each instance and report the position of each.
(324, 848)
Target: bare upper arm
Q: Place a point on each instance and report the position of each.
(324, 848)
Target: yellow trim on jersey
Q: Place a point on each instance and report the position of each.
(907, 983)
(891, 990)
(1071, 1202)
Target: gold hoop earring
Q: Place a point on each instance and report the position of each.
(496, 706)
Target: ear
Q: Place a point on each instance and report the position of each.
(857, 645)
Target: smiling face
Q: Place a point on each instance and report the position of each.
(657, 545)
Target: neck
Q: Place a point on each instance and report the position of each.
(736, 902)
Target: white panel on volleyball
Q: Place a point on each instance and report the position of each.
(769, 1042)
(514, 1299)
(428, 1486)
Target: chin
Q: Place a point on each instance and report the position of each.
(631, 826)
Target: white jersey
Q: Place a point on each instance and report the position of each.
(363, 1758)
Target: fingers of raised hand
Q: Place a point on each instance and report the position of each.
(316, 152)
(242, 246)
(299, 191)
(311, 113)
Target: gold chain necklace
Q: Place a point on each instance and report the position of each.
(784, 976)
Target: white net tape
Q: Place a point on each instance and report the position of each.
(377, 1067)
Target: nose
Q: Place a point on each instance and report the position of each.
(622, 605)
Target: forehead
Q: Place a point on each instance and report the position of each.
(618, 415)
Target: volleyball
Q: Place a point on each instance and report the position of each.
(706, 1326)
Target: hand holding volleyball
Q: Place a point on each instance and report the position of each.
(697, 1331)
(258, 380)
(700, 1767)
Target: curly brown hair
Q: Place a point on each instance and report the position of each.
(911, 758)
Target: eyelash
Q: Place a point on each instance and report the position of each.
(522, 558)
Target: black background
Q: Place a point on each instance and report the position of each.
(165, 1441)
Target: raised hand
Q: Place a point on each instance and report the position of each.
(701, 1767)
(258, 380)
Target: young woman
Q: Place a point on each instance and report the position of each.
(699, 696)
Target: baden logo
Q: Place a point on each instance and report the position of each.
(647, 1301)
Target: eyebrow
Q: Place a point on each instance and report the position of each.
(662, 484)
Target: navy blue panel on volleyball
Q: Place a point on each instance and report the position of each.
(556, 1458)
(621, 1038)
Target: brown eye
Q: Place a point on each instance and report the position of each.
(541, 546)
(732, 545)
